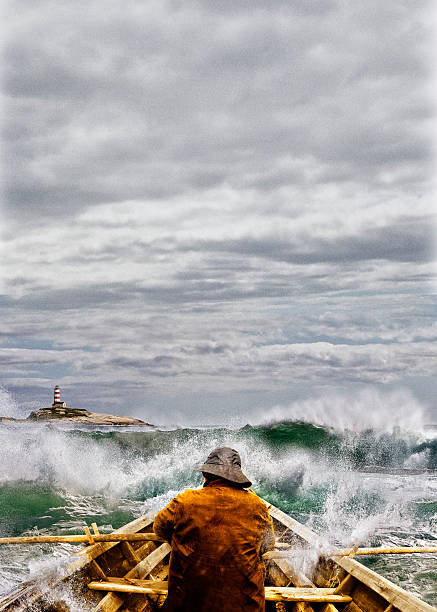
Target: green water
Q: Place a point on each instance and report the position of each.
(363, 487)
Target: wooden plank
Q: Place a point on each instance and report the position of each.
(368, 599)
(388, 590)
(131, 586)
(297, 578)
(352, 607)
(112, 602)
(275, 576)
(305, 594)
(96, 569)
(129, 553)
(146, 565)
(95, 529)
(142, 603)
(291, 594)
(346, 584)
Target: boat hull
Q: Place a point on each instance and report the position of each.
(132, 576)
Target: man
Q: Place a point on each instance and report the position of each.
(217, 534)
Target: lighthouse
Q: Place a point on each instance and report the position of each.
(57, 399)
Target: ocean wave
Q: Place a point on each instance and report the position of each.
(367, 409)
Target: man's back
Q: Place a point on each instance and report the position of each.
(216, 535)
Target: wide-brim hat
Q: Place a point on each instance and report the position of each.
(226, 463)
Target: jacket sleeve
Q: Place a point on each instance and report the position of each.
(165, 520)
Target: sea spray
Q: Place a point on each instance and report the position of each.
(8, 405)
(350, 485)
(368, 409)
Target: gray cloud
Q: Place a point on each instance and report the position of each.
(406, 240)
(153, 101)
(212, 201)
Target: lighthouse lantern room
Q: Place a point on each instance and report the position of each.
(57, 399)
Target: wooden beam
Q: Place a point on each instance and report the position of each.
(112, 602)
(91, 540)
(145, 566)
(368, 599)
(314, 595)
(297, 578)
(97, 570)
(346, 584)
(129, 553)
(290, 594)
(131, 586)
(95, 528)
(388, 590)
(352, 607)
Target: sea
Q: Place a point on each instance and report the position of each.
(367, 486)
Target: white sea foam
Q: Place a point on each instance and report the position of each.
(369, 408)
(71, 463)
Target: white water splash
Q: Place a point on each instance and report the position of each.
(9, 407)
(367, 409)
(46, 571)
(71, 463)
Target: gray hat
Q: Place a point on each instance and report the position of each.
(226, 463)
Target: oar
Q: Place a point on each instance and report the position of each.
(402, 550)
(138, 537)
(75, 539)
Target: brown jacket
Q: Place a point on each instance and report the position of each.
(217, 535)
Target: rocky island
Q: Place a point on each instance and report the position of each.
(60, 412)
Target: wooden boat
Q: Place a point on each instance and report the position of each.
(131, 576)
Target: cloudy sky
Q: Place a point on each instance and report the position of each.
(215, 208)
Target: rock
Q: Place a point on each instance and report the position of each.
(77, 415)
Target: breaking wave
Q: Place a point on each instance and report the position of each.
(357, 483)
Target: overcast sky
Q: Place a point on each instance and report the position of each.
(215, 208)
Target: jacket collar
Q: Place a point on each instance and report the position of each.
(220, 482)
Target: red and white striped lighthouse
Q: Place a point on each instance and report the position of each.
(57, 398)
